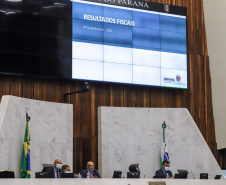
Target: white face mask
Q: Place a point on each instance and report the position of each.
(68, 172)
(58, 166)
(167, 168)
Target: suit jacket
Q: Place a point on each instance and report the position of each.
(50, 172)
(161, 171)
(95, 173)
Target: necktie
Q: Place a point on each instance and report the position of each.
(90, 175)
(58, 175)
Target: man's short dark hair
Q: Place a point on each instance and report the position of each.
(165, 162)
(65, 166)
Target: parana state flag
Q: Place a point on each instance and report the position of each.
(164, 146)
(25, 160)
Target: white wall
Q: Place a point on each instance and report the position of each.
(51, 133)
(215, 21)
(133, 135)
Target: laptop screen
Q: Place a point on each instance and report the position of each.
(67, 175)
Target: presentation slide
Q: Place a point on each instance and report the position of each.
(119, 44)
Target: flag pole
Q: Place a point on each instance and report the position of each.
(25, 159)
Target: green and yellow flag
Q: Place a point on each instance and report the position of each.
(25, 160)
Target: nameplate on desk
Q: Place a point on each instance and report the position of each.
(156, 183)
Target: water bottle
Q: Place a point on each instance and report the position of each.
(123, 175)
(79, 175)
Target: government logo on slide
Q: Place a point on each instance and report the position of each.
(166, 8)
(178, 77)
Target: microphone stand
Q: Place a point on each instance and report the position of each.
(85, 88)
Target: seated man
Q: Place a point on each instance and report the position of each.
(165, 169)
(90, 172)
(55, 171)
(66, 168)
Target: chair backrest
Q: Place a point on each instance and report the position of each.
(183, 171)
(134, 168)
(47, 165)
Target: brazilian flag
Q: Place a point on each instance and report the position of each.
(25, 160)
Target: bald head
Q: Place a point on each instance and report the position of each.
(57, 163)
(90, 166)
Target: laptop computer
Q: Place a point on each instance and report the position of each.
(133, 174)
(67, 175)
(180, 176)
(41, 175)
(6, 174)
(203, 175)
(217, 177)
(160, 176)
(117, 174)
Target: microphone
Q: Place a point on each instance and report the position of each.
(192, 175)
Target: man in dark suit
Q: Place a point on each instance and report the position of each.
(55, 171)
(90, 172)
(165, 169)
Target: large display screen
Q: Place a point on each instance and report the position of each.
(132, 44)
(120, 41)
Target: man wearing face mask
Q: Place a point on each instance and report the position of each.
(90, 172)
(55, 171)
(165, 169)
(66, 168)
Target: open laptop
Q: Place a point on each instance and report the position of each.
(183, 171)
(117, 174)
(160, 176)
(6, 174)
(133, 174)
(217, 177)
(67, 175)
(203, 175)
(41, 174)
(180, 176)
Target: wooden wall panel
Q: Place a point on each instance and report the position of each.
(197, 99)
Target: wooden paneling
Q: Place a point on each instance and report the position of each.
(222, 158)
(197, 99)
